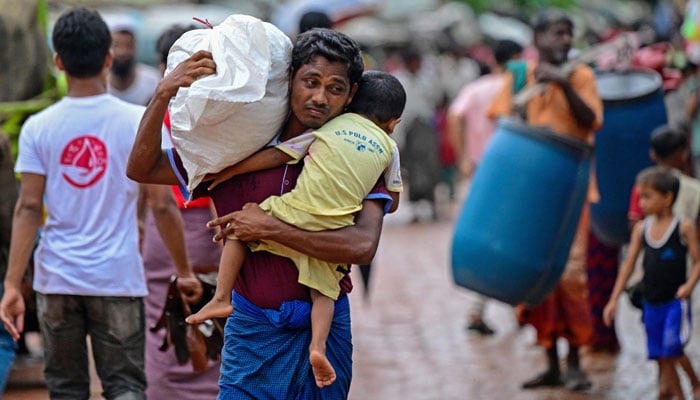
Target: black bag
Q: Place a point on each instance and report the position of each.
(636, 294)
(199, 343)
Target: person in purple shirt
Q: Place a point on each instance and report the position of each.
(265, 353)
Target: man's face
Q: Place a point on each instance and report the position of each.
(319, 91)
(554, 43)
(124, 49)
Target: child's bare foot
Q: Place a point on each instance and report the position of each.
(322, 368)
(214, 309)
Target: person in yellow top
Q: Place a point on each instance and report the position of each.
(568, 105)
(344, 160)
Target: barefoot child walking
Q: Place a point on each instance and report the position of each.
(666, 240)
(344, 159)
(670, 149)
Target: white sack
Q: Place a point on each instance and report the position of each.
(223, 118)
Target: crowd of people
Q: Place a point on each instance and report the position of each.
(105, 191)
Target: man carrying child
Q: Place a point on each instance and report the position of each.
(265, 352)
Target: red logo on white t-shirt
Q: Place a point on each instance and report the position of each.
(84, 161)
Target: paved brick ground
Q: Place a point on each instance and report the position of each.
(410, 341)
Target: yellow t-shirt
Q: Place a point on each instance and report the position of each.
(342, 162)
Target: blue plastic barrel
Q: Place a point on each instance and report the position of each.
(633, 107)
(513, 235)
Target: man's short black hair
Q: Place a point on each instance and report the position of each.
(82, 40)
(547, 17)
(667, 141)
(333, 46)
(379, 96)
(314, 19)
(168, 37)
(505, 50)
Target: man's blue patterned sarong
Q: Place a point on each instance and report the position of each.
(266, 353)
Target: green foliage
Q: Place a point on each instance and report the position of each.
(14, 113)
(534, 5)
(477, 5)
(525, 6)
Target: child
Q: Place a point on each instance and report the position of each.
(670, 148)
(345, 159)
(666, 240)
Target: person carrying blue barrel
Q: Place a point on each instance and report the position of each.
(568, 104)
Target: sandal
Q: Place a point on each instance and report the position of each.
(546, 379)
(480, 327)
(576, 380)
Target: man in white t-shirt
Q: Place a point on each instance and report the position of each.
(129, 80)
(88, 275)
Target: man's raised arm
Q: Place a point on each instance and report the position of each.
(148, 163)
